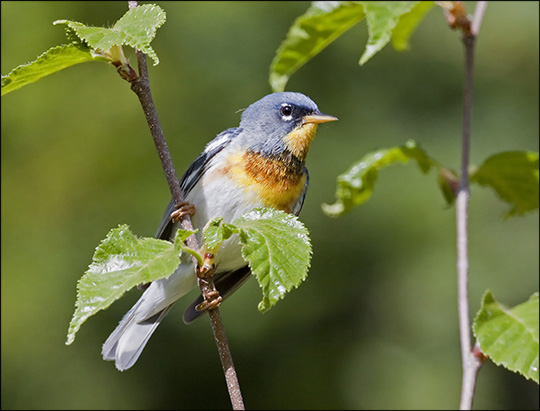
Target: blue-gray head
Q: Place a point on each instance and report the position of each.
(281, 122)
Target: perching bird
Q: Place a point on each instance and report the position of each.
(259, 164)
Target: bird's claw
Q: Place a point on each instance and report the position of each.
(212, 301)
(184, 208)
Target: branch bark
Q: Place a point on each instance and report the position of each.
(471, 359)
(140, 85)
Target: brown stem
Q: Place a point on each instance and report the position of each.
(226, 360)
(141, 87)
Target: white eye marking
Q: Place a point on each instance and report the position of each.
(286, 111)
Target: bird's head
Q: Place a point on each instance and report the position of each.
(281, 122)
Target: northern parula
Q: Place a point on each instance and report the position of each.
(261, 163)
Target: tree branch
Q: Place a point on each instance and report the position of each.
(141, 87)
(471, 360)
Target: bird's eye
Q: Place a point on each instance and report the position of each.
(286, 110)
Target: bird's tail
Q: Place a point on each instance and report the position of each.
(125, 344)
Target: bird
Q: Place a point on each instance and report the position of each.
(260, 163)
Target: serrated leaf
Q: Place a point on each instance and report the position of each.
(310, 33)
(53, 60)
(382, 17)
(137, 28)
(509, 336)
(514, 177)
(277, 247)
(120, 262)
(356, 185)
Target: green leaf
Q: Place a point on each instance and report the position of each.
(509, 336)
(448, 183)
(122, 261)
(325, 21)
(53, 60)
(356, 185)
(137, 28)
(514, 177)
(277, 247)
(322, 23)
(407, 24)
(216, 232)
(382, 18)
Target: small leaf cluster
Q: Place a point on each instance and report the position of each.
(137, 28)
(512, 175)
(325, 21)
(275, 244)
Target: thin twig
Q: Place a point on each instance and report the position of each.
(467, 388)
(471, 363)
(141, 86)
(226, 360)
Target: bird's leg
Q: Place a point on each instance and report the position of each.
(182, 209)
(212, 299)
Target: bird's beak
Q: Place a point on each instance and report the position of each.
(318, 118)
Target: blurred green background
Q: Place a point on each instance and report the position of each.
(375, 324)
